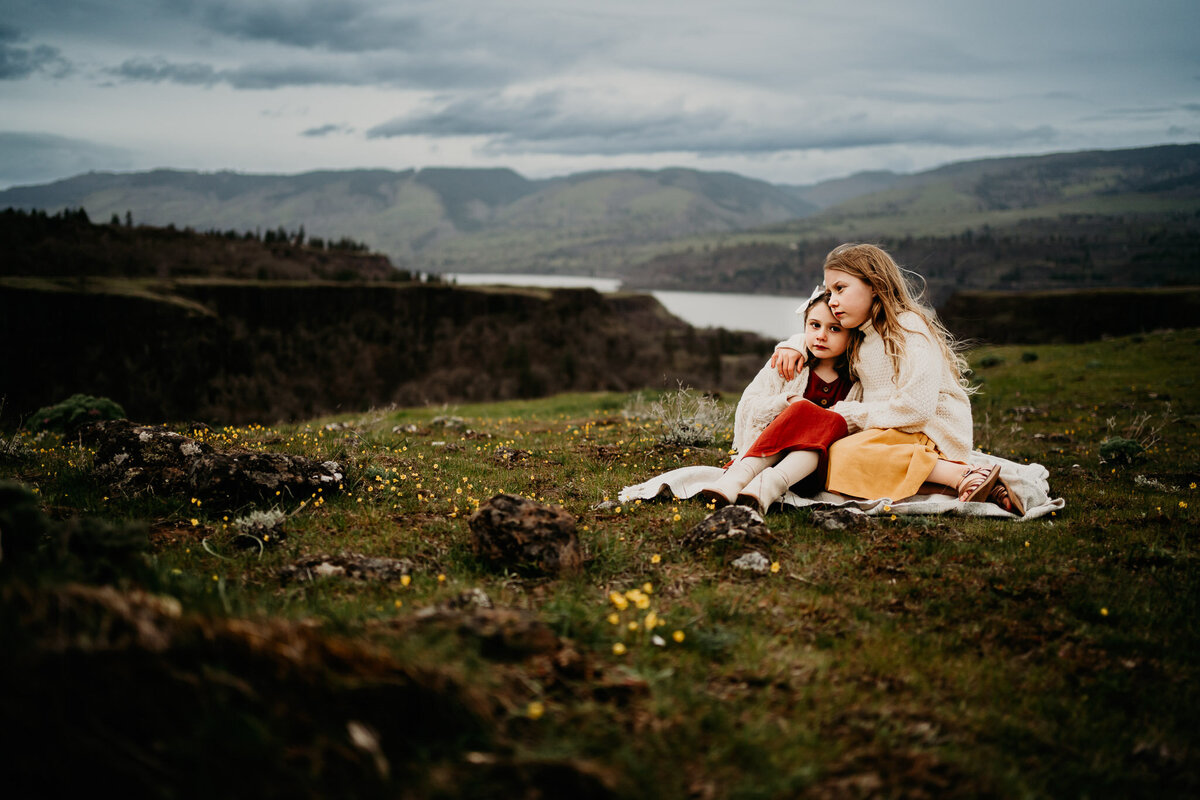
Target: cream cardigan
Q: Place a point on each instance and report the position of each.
(925, 397)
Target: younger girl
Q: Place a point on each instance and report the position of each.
(787, 425)
(913, 422)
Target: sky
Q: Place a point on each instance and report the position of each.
(788, 91)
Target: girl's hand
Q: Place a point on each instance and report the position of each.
(786, 361)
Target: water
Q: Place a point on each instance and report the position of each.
(771, 316)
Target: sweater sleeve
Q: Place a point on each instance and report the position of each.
(914, 398)
(761, 402)
(796, 342)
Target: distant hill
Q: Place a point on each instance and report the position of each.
(68, 244)
(1070, 252)
(1002, 191)
(839, 190)
(442, 219)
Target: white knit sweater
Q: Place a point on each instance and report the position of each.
(764, 399)
(925, 397)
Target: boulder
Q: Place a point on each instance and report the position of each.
(730, 529)
(137, 458)
(514, 532)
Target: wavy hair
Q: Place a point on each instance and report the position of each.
(893, 296)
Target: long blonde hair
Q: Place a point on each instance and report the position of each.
(893, 296)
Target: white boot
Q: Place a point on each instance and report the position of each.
(724, 491)
(773, 483)
(765, 490)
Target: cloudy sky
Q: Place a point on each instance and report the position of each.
(789, 91)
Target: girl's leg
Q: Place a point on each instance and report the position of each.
(772, 483)
(725, 490)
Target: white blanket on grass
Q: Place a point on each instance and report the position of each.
(1030, 482)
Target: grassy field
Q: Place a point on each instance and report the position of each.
(907, 657)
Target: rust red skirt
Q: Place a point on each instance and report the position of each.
(801, 426)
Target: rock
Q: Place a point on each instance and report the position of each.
(471, 598)
(136, 458)
(503, 632)
(509, 456)
(346, 564)
(753, 561)
(731, 526)
(513, 532)
(409, 428)
(840, 519)
(449, 422)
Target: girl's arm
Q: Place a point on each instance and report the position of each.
(788, 357)
(762, 401)
(914, 398)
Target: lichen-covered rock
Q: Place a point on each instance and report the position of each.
(135, 458)
(754, 562)
(346, 564)
(840, 519)
(517, 533)
(731, 528)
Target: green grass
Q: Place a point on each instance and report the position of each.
(920, 656)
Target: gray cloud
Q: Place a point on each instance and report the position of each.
(27, 158)
(440, 72)
(325, 130)
(21, 62)
(340, 25)
(157, 70)
(544, 124)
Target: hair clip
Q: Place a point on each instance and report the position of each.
(817, 292)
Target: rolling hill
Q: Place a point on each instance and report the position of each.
(442, 219)
(673, 227)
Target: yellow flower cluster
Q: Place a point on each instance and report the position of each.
(638, 626)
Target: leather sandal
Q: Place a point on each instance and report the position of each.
(977, 482)
(1003, 496)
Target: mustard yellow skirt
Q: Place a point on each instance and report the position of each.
(878, 463)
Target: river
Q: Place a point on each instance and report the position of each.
(772, 316)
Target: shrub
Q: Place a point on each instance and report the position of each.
(1121, 450)
(688, 419)
(1029, 357)
(73, 412)
(991, 361)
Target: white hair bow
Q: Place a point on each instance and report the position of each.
(817, 292)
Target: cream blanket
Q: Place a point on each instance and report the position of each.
(1030, 482)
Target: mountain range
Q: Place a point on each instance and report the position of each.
(615, 222)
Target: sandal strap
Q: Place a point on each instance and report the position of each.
(977, 482)
(999, 495)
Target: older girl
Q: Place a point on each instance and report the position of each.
(913, 422)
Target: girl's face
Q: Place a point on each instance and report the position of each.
(849, 297)
(823, 334)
